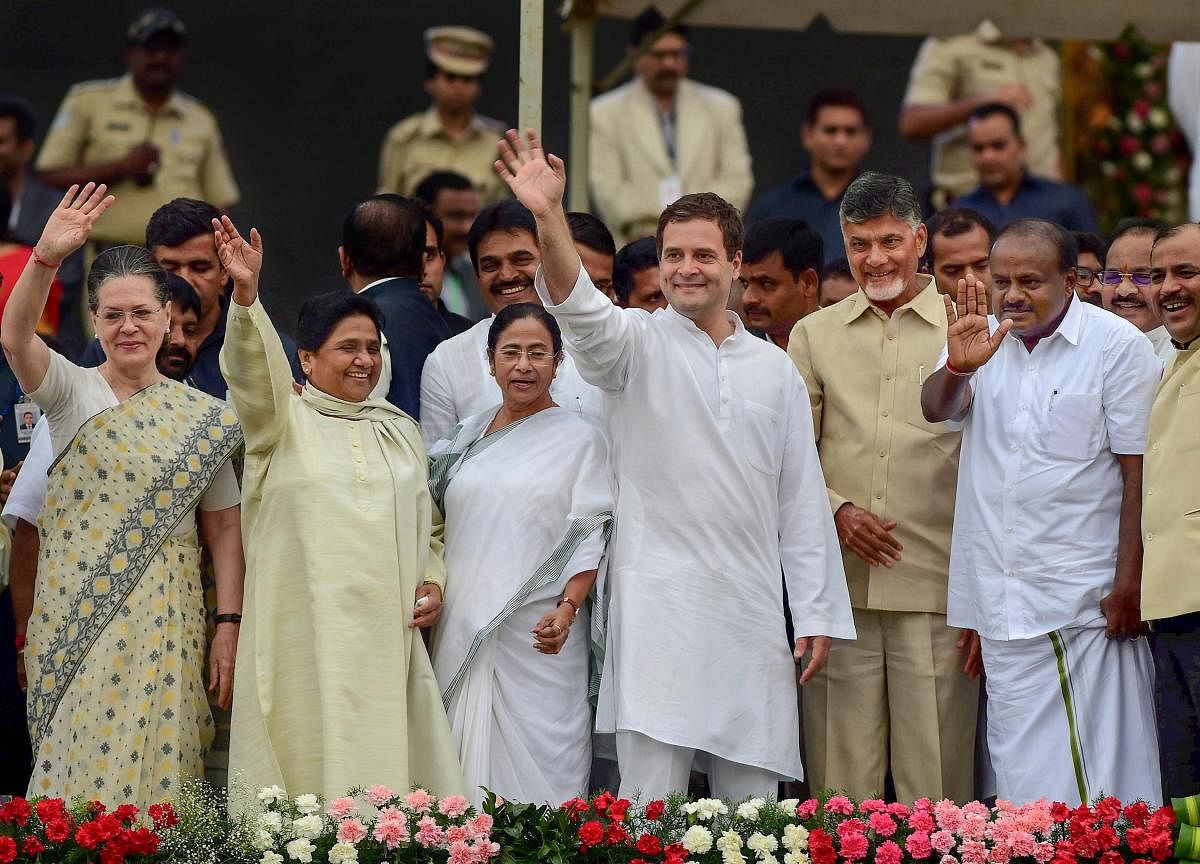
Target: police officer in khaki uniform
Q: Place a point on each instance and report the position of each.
(449, 136)
(139, 134)
(950, 78)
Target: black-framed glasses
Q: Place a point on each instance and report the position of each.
(1085, 276)
(1140, 278)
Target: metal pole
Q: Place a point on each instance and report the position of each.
(582, 42)
(529, 104)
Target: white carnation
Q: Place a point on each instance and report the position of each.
(271, 858)
(795, 838)
(271, 794)
(308, 827)
(730, 846)
(762, 843)
(1159, 119)
(748, 810)
(263, 839)
(789, 805)
(270, 821)
(706, 808)
(796, 858)
(697, 840)
(343, 853)
(1142, 160)
(300, 850)
(308, 804)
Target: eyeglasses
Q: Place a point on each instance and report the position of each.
(141, 315)
(1140, 278)
(1085, 276)
(537, 356)
(665, 54)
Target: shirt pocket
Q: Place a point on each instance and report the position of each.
(1075, 426)
(760, 437)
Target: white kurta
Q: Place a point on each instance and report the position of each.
(456, 384)
(520, 718)
(718, 482)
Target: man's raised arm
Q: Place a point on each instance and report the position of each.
(538, 181)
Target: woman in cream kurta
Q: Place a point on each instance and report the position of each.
(336, 687)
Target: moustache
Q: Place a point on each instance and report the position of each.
(1008, 308)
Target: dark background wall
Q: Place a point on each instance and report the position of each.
(305, 91)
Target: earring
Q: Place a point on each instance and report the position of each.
(306, 371)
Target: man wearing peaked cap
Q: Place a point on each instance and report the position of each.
(139, 134)
(449, 136)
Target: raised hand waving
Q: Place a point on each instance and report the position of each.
(537, 179)
(70, 225)
(969, 344)
(242, 260)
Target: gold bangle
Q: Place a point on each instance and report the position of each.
(574, 606)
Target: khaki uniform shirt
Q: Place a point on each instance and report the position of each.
(963, 66)
(864, 372)
(1171, 494)
(418, 145)
(101, 121)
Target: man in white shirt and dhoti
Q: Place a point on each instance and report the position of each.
(718, 484)
(1045, 561)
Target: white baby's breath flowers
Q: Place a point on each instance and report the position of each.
(697, 840)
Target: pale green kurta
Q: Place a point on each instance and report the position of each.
(332, 688)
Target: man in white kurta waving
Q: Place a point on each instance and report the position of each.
(719, 482)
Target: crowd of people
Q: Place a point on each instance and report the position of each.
(547, 501)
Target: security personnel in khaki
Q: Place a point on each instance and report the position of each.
(952, 77)
(146, 140)
(449, 136)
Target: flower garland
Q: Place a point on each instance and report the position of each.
(377, 825)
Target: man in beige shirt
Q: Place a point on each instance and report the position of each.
(1171, 512)
(449, 136)
(146, 140)
(901, 696)
(952, 77)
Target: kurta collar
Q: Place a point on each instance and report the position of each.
(689, 326)
(1068, 327)
(928, 302)
(128, 96)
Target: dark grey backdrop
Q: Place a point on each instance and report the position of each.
(305, 91)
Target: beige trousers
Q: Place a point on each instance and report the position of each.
(894, 698)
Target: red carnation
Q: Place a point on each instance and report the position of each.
(676, 854)
(820, 847)
(618, 809)
(654, 810)
(49, 809)
(639, 861)
(17, 810)
(57, 830)
(617, 834)
(1064, 853)
(88, 835)
(33, 846)
(1130, 145)
(591, 832)
(164, 816)
(143, 841)
(8, 850)
(1138, 840)
(126, 813)
(1111, 857)
(1106, 837)
(601, 801)
(648, 844)
(1137, 813)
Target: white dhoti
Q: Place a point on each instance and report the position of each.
(651, 770)
(1070, 717)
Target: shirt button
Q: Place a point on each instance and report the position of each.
(885, 412)
(1016, 446)
(892, 337)
(882, 454)
(1149, 536)
(1154, 447)
(878, 496)
(1149, 491)
(1024, 407)
(354, 444)
(887, 377)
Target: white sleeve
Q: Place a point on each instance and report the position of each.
(58, 393)
(1131, 373)
(808, 543)
(601, 337)
(438, 416)
(29, 490)
(224, 492)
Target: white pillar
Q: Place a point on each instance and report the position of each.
(582, 42)
(529, 105)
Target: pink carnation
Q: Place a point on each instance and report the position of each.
(948, 859)
(418, 800)
(872, 805)
(429, 833)
(854, 846)
(806, 809)
(973, 852)
(458, 834)
(900, 811)
(1000, 853)
(1023, 844)
(340, 808)
(883, 824)
(485, 850)
(351, 831)
(1043, 853)
(949, 817)
(942, 841)
(840, 805)
(851, 826)
(480, 826)
(461, 853)
(974, 827)
(976, 808)
(918, 845)
(888, 853)
(921, 820)
(391, 828)
(453, 806)
(380, 795)
(1003, 805)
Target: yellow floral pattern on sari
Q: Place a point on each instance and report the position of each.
(117, 637)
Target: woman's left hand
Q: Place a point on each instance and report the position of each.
(552, 631)
(222, 655)
(425, 614)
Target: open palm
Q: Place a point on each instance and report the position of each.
(538, 180)
(242, 260)
(70, 225)
(969, 343)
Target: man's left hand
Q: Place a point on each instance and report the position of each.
(820, 646)
(1123, 611)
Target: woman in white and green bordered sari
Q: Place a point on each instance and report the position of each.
(526, 493)
(116, 641)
